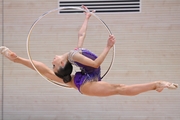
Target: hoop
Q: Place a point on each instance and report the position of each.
(63, 8)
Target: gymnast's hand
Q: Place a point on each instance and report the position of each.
(111, 41)
(87, 11)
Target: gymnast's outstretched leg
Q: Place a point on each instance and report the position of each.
(106, 89)
(26, 62)
(42, 68)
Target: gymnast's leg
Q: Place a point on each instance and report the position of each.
(42, 68)
(106, 89)
(26, 62)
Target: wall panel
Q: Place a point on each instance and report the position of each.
(1, 60)
(147, 49)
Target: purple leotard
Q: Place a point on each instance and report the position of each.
(87, 73)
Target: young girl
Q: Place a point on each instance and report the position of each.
(88, 80)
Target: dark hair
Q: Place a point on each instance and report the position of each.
(65, 72)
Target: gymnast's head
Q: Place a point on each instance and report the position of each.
(62, 68)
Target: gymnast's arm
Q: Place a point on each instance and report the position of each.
(97, 62)
(82, 31)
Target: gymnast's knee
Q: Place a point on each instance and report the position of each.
(121, 89)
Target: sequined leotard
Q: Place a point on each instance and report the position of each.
(87, 73)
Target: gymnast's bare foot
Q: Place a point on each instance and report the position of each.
(8, 53)
(160, 85)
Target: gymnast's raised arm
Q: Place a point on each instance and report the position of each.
(82, 31)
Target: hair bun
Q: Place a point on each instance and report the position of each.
(66, 78)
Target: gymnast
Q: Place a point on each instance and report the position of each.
(87, 81)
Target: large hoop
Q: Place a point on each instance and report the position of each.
(63, 8)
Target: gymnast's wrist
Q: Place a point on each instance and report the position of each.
(108, 48)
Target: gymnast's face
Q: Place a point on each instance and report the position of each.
(57, 63)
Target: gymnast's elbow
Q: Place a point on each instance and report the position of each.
(95, 65)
